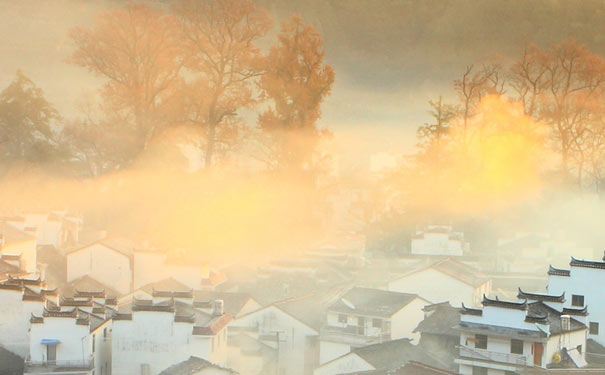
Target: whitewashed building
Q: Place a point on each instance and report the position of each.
(439, 240)
(445, 280)
(151, 335)
(364, 316)
(19, 299)
(109, 261)
(56, 228)
(271, 337)
(510, 337)
(69, 341)
(583, 284)
(20, 245)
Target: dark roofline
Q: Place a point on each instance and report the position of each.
(172, 294)
(542, 319)
(504, 304)
(579, 312)
(467, 311)
(552, 271)
(73, 313)
(86, 293)
(586, 263)
(541, 297)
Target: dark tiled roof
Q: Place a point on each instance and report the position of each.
(417, 368)
(468, 311)
(586, 263)
(166, 285)
(191, 367)
(540, 297)
(553, 318)
(86, 286)
(441, 320)
(372, 302)
(147, 305)
(232, 302)
(392, 354)
(557, 271)
(580, 312)
(214, 326)
(504, 304)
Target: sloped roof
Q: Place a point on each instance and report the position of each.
(308, 309)
(192, 366)
(87, 284)
(442, 320)
(392, 354)
(372, 302)
(12, 234)
(453, 268)
(166, 285)
(232, 302)
(8, 269)
(418, 368)
(121, 245)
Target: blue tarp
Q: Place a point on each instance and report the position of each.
(51, 342)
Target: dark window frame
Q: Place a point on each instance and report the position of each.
(577, 300)
(516, 346)
(377, 323)
(480, 341)
(343, 318)
(593, 328)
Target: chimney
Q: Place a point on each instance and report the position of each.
(566, 322)
(218, 307)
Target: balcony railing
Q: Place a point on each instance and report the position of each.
(352, 335)
(486, 355)
(86, 364)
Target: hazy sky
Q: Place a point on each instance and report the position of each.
(390, 56)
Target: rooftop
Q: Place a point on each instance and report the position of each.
(372, 302)
(192, 366)
(441, 320)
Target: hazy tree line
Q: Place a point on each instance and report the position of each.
(561, 86)
(193, 64)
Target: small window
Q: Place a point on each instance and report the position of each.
(105, 332)
(594, 328)
(479, 370)
(342, 318)
(516, 346)
(93, 343)
(577, 300)
(377, 323)
(579, 347)
(480, 341)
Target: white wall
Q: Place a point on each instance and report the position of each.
(435, 286)
(408, 318)
(587, 282)
(75, 342)
(292, 333)
(105, 265)
(27, 250)
(437, 244)
(14, 321)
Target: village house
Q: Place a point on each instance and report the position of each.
(18, 247)
(439, 335)
(444, 280)
(108, 261)
(197, 366)
(273, 339)
(19, 299)
(510, 337)
(376, 358)
(582, 284)
(439, 240)
(153, 334)
(364, 316)
(56, 228)
(70, 342)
